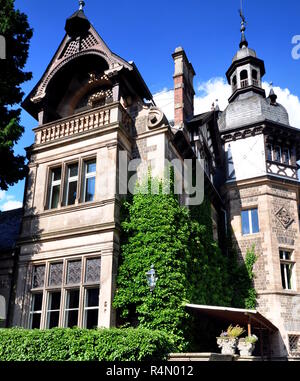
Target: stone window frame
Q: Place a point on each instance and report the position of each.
(64, 288)
(287, 262)
(80, 199)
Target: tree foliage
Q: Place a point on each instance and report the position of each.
(17, 33)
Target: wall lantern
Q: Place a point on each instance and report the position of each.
(2, 308)
(151, 278)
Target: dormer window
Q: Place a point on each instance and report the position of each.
(244, 78)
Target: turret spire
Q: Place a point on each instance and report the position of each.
(244, 42)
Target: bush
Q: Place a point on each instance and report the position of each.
(76, 344)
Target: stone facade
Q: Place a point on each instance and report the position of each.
(269, 197)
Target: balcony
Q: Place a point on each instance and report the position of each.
(84, 122)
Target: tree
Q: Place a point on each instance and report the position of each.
(17, 33)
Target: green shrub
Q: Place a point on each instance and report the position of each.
(76, 344)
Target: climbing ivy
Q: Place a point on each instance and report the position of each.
(190, 266)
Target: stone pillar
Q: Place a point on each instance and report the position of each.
(107, 288)
(183, 88)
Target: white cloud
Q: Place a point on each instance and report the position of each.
(10, 205)
(2, 195)
(218, 88)
(8, 202)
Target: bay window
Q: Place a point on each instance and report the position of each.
(69, 187)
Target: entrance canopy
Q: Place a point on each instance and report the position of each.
(234, 316)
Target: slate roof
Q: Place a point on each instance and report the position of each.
(250, 108)
(10, 223)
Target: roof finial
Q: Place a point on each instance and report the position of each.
(244, 42)
(272, 95)
(81, 5)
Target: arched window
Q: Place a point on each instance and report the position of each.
(255, 77)
(244, 75)
(234, 83)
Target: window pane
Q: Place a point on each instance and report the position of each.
(53, 319)
(71, 319)
(92, 297)
(277, 154)
(74, 272)
(35, 321)
(53, 309)
(72, 193)
(73, 299)
(269, 152)
(91, 166)
(286, 156)
(37, 300)
(90, 189)
(245, 222)
(91, 319)
(92, 271)
(73, 170)
(54, 301)
(56, 174)
(283, 276)
(55, 276)
(289, 271)
(38, 276)
(255, 224)
(55, 197)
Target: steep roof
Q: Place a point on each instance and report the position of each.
(10, 223)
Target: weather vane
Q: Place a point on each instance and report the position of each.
(244, 42)
(81, 5)
(242, 17)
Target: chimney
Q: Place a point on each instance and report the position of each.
(183, 88)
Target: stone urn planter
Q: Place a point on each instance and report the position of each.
(246, 346)
(227, 345)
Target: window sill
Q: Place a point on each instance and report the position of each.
(72, 208)
(250, 235)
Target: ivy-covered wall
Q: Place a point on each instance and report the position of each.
(189, 265)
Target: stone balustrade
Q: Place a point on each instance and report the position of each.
(83, 122)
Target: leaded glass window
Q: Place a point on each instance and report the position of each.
(74, 272)
(38, 276)
(55, 274)
(92, 271)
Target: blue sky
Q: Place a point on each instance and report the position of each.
(148, 33)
